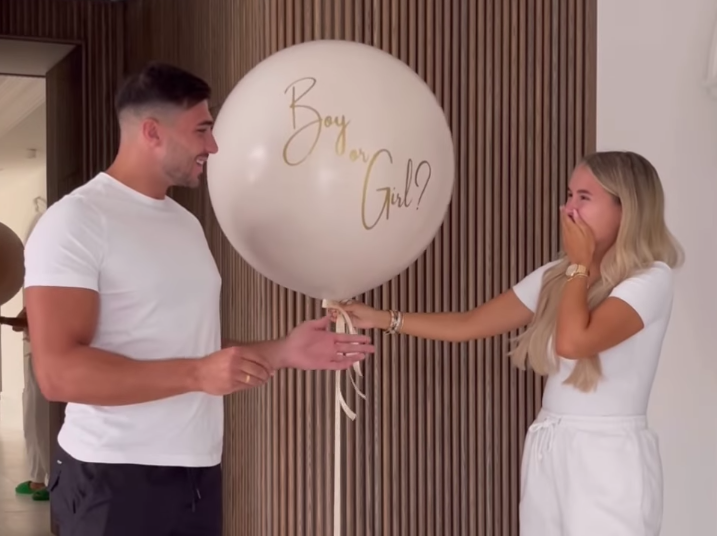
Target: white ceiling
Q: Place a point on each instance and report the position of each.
(22, 124)
(30, 58)
(19, 97)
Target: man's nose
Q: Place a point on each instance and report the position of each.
(212, 147)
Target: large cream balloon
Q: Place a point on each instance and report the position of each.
(12, 264)
(335, 168)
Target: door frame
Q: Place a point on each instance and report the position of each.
(63, 131)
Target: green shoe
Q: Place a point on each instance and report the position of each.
(41, 495)
(24, 489)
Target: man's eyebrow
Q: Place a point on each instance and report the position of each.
(206, 123)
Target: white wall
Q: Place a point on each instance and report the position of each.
(652, 62)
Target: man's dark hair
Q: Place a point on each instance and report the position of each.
(161, 84)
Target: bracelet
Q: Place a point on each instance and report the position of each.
(396, 322)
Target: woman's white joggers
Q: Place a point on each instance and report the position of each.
(590, 476)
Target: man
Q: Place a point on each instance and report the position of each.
(36, 426)
(122, 294)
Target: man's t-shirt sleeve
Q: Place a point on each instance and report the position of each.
(66, 247)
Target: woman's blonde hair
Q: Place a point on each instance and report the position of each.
(642, 239)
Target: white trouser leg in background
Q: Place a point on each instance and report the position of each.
(36, 424)
(590, 476)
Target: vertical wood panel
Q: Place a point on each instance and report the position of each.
(64, 141)
(436, 447)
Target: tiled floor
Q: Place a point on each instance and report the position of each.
(19, 516)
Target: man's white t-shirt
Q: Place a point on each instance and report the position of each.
(159, 291)
(628, 368)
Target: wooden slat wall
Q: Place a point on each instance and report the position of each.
(98, 29)
(436, 448)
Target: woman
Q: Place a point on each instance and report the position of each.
(590, 464)
(36, 424)
(35, 408)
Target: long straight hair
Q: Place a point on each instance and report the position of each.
(643, 238)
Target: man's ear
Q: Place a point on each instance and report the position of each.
(151, 131)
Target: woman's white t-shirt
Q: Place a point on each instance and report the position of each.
(628, 368)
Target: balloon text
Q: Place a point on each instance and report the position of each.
(310, 129)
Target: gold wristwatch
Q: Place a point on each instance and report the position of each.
(577, 270)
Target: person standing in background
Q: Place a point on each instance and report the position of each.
(35, 420)
(35, 407)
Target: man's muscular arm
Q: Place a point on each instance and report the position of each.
(70, 370)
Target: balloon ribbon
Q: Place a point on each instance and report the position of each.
(343, 325)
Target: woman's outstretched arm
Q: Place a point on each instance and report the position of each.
(502, 314)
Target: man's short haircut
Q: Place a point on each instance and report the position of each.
(160, 84)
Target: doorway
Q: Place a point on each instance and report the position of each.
(41, 141)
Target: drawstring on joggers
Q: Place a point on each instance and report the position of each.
(193, 488)
(544, 440)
